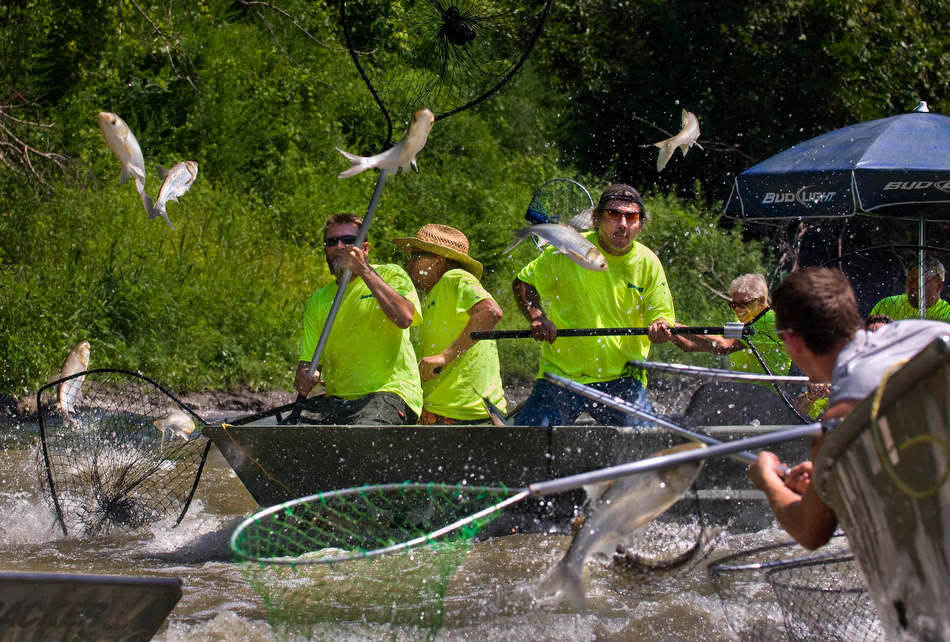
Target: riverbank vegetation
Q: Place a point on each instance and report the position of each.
(259, 101)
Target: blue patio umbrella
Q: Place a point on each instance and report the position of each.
(892, 167)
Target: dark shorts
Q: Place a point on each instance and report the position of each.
(375, 409)
(551, 405)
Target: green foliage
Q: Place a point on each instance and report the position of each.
(260, 94)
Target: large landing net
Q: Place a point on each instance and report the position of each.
(118, 451)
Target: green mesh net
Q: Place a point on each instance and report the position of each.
(335, 562)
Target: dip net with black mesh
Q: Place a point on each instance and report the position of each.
(825, 599)
(767, 592)
(118, 451)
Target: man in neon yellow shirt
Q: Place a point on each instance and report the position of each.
(554, 292)
(907, 306)
(749, 294)
(457, 372)
(368, 364)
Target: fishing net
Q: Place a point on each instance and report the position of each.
(440, 55)
(561, 200)
(118, 451)
(749, 604)
(675, 541)
(325, 563)
(827, 600)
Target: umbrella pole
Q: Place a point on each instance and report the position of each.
(920, 268)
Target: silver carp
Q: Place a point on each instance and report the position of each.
(620, 508)
(178, 423)
(123, 144)
(67, 393)
(177, 181)
(568, 241)
(684, 139)
(402, 155)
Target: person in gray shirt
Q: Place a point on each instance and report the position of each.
(817, 319)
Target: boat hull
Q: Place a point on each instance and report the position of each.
(280, 463)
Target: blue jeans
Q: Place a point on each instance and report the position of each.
(551, 405)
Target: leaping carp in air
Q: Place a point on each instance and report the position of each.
(567, 241)
(122, 142)
(684, 139)
(621, 508)
(402, 155)
(67, 393)
(178, 423)
(177, 181)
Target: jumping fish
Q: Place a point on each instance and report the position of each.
(402, 155)
(177, 181)
(178, 423)
(567, 241)
(67, 393)
(122, 142)
(620, 508)
(684, 139)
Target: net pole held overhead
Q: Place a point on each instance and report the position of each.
(729, 331)
(347, 275)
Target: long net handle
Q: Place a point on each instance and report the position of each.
(730, 330)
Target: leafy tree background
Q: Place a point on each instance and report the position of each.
(260, 93)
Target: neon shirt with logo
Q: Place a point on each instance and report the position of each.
(458, 390)
(897, 307)
(365, 352)
(768, 344)
(632, 292)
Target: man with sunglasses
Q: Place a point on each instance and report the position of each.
(554, 292)
(749, 300)
(368, 364)
(817, 318)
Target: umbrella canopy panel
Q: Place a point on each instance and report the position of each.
(895, 167)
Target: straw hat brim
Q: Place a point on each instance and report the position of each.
(412, 243)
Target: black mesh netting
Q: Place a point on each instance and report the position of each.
(118, 451)
(749, 604)
(445, 56)
(826, 600)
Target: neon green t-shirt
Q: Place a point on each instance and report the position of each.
(897, 307)
(365, 352)
(768, 344)
(458, 390)
(632, 292)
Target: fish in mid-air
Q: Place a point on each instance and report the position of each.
(568, 241)
(684, 139)
(122, 142)
(177, 423)
(67, 393)
(620, 508)
(402, 155)
(177, 181)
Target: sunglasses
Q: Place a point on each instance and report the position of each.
(348, 239)
(741, 304)
(616, 215)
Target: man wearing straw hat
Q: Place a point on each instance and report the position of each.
(457, 372)
(554, 292)
(817, 319)
(368, 364)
